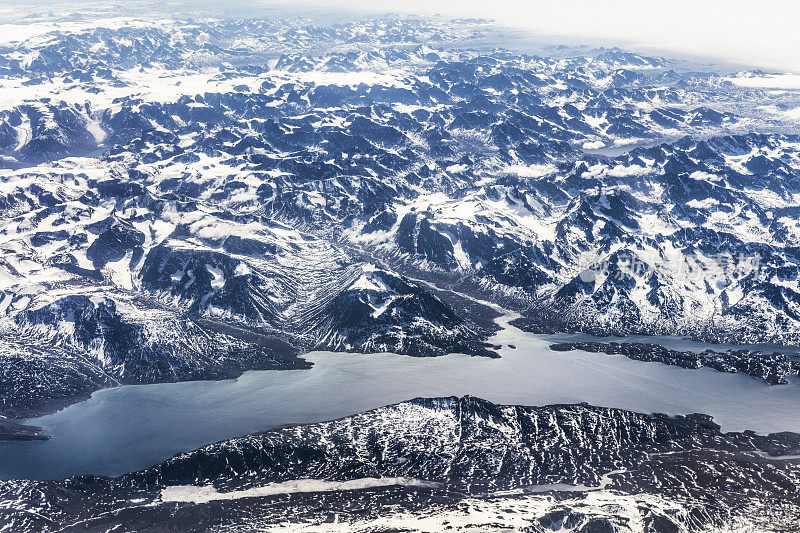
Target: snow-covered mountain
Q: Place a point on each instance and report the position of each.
(192, 199)
(428, 462)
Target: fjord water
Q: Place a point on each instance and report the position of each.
(128, 428)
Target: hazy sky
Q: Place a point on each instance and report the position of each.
(764, 33)
(753, 33)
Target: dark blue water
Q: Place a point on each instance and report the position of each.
(132, 427)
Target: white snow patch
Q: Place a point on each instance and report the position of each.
(219, 277)
(593, 145)
(457, 168)
(530, 171)
(622, 171)
(370, 282)
(207, 493)
(702, 204)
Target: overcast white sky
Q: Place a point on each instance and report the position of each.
(763, 33)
